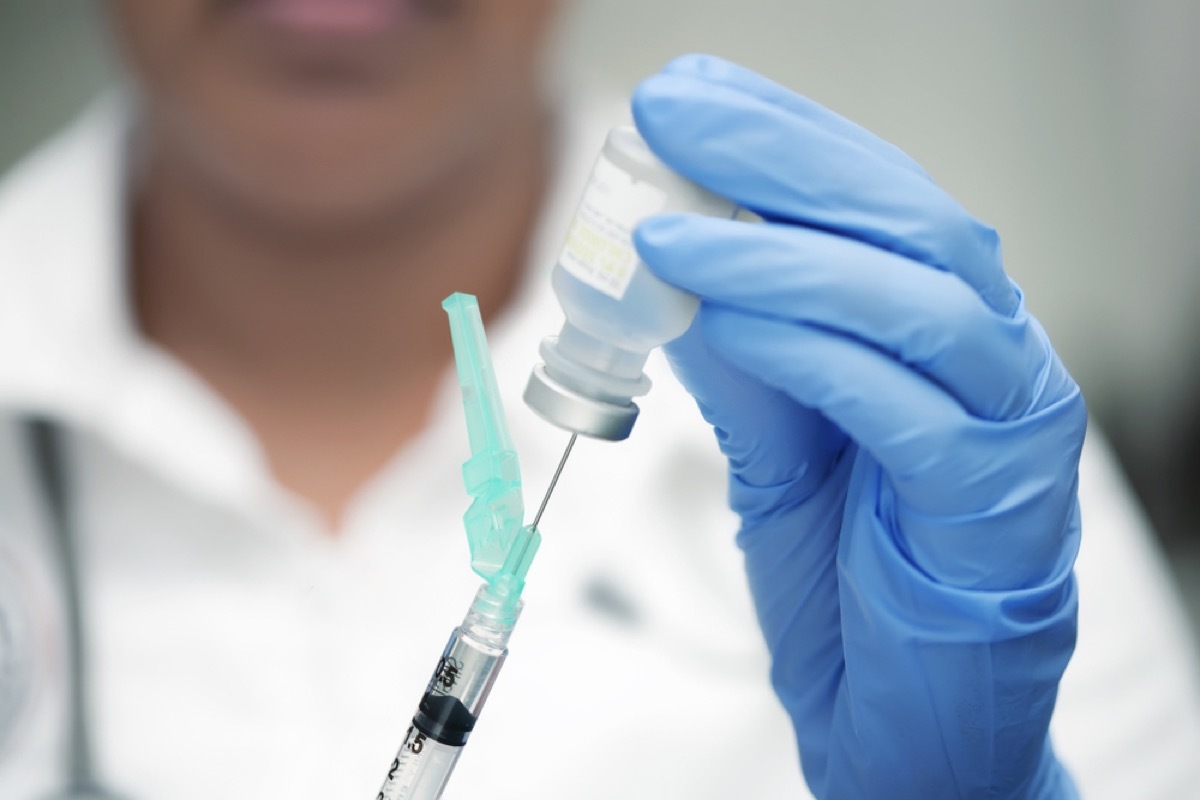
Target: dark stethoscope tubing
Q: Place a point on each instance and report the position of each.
(44, 440)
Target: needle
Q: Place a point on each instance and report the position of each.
(562, 462)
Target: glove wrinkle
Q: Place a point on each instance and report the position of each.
(760, 503)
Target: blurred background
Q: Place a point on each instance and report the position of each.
(1072, 127)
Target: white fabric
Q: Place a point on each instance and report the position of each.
(237, 651)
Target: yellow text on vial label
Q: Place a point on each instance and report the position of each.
(599, 249)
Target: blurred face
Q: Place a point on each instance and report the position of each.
(321, 112)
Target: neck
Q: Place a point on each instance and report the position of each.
(331, 345)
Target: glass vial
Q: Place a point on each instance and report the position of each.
(616, 310)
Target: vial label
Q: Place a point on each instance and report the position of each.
(599, 249)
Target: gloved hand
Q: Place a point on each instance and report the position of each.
(903, 442)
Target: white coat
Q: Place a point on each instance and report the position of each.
(237, 650)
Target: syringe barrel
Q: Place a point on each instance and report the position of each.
(420, 770)
(451, 704)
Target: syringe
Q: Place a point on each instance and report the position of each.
(501, 551)
(450, 706)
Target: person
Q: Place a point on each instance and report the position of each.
(222, 294)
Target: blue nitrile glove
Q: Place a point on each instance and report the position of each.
(903, 442)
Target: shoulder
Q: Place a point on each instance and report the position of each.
(42, 189)
(61, 200)
(61, 237)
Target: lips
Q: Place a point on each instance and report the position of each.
(334, 18)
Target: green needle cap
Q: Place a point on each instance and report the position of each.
(500, 546)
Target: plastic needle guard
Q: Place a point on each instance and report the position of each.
(501, 546)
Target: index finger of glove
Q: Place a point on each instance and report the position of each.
(720, 72)
(791, 167)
